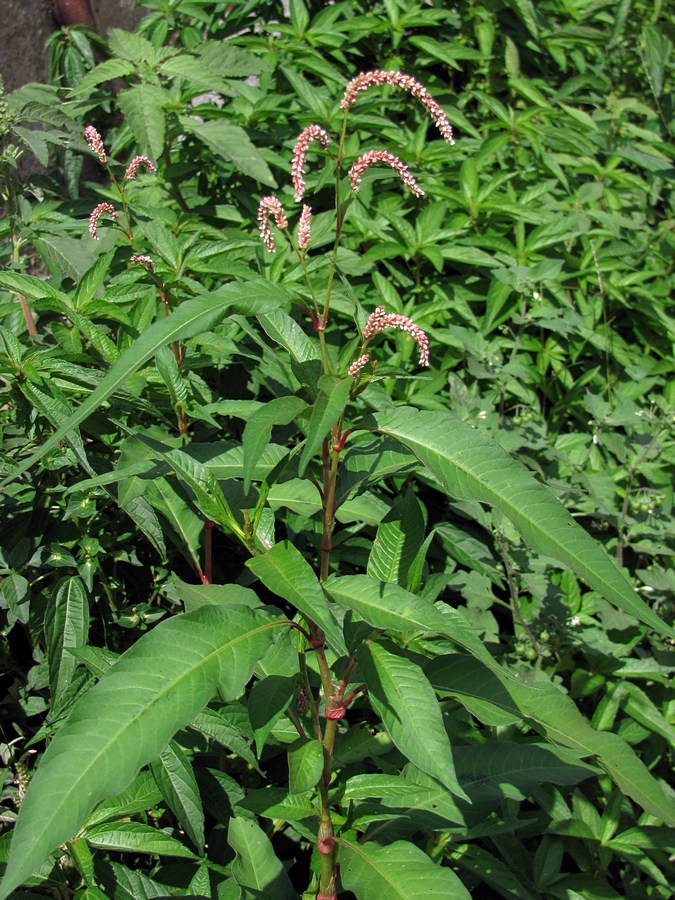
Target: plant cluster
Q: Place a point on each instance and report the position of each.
(337, 442)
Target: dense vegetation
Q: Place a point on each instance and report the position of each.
(292, 620)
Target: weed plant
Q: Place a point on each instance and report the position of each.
(337, 455)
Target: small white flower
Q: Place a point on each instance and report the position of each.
(574, 622)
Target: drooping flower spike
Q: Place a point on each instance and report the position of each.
(270, 206)
(95, 142)
(96, 213)
(355, 368)
(407, 83)
(376, 156)
(134, 165)
(304, 228)
(146, 261)
(379, 320)
(306, 136)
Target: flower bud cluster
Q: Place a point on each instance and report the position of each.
(270, 206)
(133, 167)
(304, 228)
(146, 261)
(95, 142)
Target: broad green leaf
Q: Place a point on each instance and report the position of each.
(174, 776)
(470, 466)
(328, 408)
(123, 722)
(105, 71)
(399, 871)
(555, 715)
(256, 865)
(475, 686)
(216, 726)
(494, 872)
(232, 143)
(286, 572)
(204, 485)
(192, 317)
(143, 107)
(258, 430)
(405, 701)
(66, 627)
(134, 837)
(433, 802)
(305, 765)
(267, 702)
(168, 370)
(500, 769)
(398, 538)
(390, 607)
(141, 795)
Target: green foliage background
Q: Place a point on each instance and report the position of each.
(540, 265)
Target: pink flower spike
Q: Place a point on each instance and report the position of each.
(407, 83)
(355, 368)
(95, 142)
(133, 167)
(306, 136)
(304, 227)
(96, 213)
(377, 156)
(379, 320)
(270, 206)
(146, 261)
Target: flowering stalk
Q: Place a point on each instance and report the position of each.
(377, 156)
(366, 80)
(306, 136)
(270, 207)
(378, 321)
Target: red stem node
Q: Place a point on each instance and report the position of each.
(325, 845)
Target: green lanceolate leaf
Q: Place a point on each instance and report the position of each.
(551, 712)
(207, 492)
(192, 317)
(327, 410)
(134, 837)
(256, 866)
(399, 871)
(285, 571)
(405, 701)
(66, 627)
(267, 702)
(143, 105)
(124, 721)
(392, 608)
(305, 765)
(258, 430)
(470, 466)
(399, 537)
(176, 780)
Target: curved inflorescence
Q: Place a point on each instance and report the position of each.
(306, 136)
(377, 156)
(96, 213)
(133, 167)
(379, 320)
(407, 83)
(270, 206)
(95, 142)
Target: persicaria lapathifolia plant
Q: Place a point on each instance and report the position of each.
(373, 645)
(270, 208)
